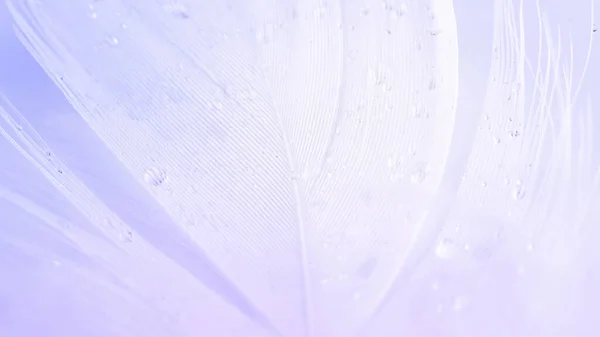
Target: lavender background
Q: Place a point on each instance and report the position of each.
(492, 287)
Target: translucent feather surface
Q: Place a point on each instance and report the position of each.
(299, 163)
(306, 168)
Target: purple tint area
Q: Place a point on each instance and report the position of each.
(497, 285)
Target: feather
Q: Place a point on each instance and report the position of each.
(293, 143)
(501, 251)
(75, 250)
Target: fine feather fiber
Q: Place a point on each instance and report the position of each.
(298, 168)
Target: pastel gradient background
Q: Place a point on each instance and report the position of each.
(293, 168)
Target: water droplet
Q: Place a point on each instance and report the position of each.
(432, 84)
(518, 192)
(419, 174)
(356, 295)
(364, 12)
(496, 140)
(434, 31)
(459, 303)
(530, 247)
(113, 40)
(446, 249)
(483, 184)
(177, 9)
(155, 177)
(127, 236)
(399, 12)
(515, 133)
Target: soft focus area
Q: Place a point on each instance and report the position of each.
(299, 168)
